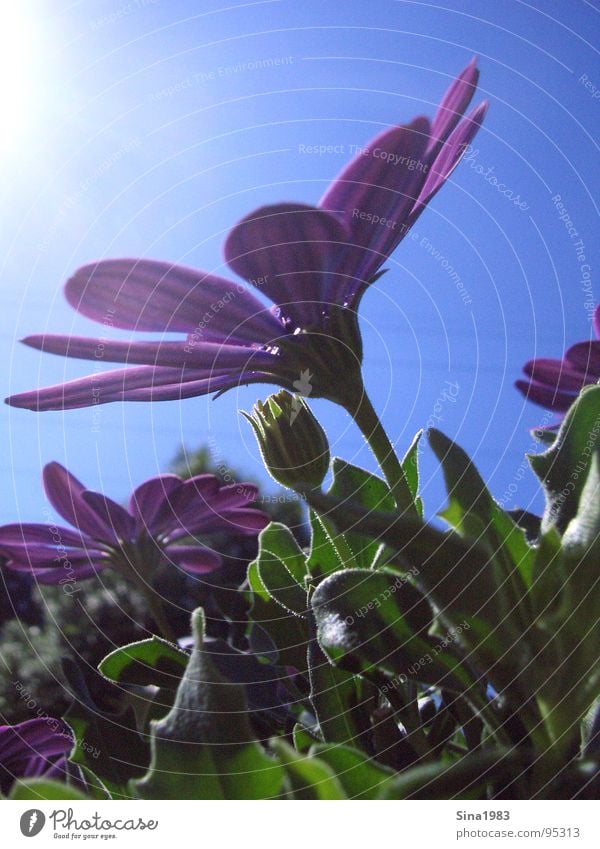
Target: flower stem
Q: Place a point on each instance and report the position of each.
(374, 433)
(158, 612)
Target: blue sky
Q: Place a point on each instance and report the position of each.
(148, 128)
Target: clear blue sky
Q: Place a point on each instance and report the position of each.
(141, 128)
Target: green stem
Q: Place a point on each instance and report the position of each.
(157, 611)
(373, 431)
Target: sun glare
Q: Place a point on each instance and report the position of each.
(17, 64)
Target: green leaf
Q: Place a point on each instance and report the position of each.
(378, 621)
(475, 514)
(468, 778)
(570, 586)
(154, 661)
(456, 574)
(38, 789)
(303, 738)
(309, 777)
(334, 697)
(104, 726)
(205, 748)
(410, 467)
(564, 466)
(275, 633)
(94, 787)
(369, 491)
(282, 568)
(547, 437)
(360, 776)
(582, 536)
(329, 550)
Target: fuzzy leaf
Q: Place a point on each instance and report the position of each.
(563, 467)
(204, 748)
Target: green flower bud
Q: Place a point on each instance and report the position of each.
(293, 444)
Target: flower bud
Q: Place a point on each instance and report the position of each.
(293, 444)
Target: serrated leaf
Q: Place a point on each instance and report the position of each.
(455, 574)
(329, 550)
(475, 514)
(153, 661)
(282, 568)
(369, 491)
(276, 634)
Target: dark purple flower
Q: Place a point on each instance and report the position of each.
(161, 512)
(313, 263)
(33, 749)
(555, 384)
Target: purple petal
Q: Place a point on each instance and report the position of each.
(46, 556)
(379, 185)
(140, 294)
(200, 502)
(557, 373)
(586, 357)
(167, 511)
(287, 250)
(206, 485)
(449, 156)
(111, 514)
(210, 494)
(203, 511)
(65, 492)
(208, 356)
(35, 534)
(70, 571)
(194, 558)
(31, 749)
(78, 572)
(147, 500)
(245, 521)
(139, 383)
(43, 737)
(545, 396)
(454, 104)
(597, 321)
(177, 391)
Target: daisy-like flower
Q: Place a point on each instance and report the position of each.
(136, 541)
(555, 384)
(33, 749)
(313, 263)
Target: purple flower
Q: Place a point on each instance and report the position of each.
(555, 384)
(161, 512)
(313, 263)
(32, 749)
